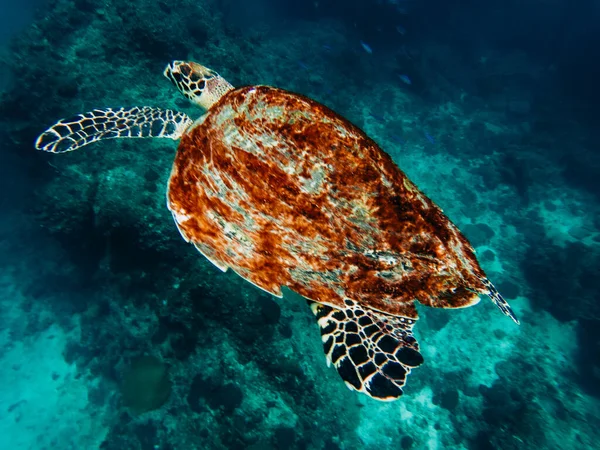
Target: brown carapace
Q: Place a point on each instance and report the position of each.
(286, 192)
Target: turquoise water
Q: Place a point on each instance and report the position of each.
(116, 334)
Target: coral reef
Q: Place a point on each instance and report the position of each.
(146, 385)
(497, 126)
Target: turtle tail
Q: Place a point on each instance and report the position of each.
(373, 352)
(139, 122)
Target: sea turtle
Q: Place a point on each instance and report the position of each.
(286, 192)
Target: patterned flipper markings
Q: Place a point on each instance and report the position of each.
(140, 122)
(499, 301)
(373, 352)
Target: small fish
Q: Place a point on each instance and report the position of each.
(400, 29)
(367, 47)
(327, 47)
(405, 79)
(406, 52)
(301, 64)
(429, 138)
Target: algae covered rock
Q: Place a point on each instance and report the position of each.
(146, 385)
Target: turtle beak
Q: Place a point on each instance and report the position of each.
(189, 78)
(173, 73)
(197, 83)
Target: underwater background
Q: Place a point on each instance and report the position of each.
(116, 334)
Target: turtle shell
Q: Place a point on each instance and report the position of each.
(286, 192)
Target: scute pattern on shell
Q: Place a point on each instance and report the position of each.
(286, 192)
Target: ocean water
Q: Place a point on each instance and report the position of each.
(117, 334)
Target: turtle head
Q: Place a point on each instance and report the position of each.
(199, 84)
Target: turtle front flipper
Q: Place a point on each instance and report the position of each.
(373, 352)
(139, 122)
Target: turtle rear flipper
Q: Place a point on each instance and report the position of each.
(498, 300)
(373, 352)
(139, 122)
